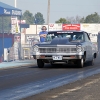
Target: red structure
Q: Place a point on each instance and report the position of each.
(71, 27)
(6, 35)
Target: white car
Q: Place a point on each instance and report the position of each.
(64, 47)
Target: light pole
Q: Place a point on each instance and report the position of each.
(19, 48)
(35, 21)
(48, 12)
(15, 3)
(3, 36)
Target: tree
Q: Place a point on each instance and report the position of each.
(6, 24)
(75, 20)
(82, 20)
(38, 18)
(71, 20)
(79, 19)
(28, 16)
(92, 18)
(62, 20)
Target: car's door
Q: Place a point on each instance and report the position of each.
(88, 46)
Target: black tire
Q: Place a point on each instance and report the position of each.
(52, 64)
(40, 63)
(80, 63)
(91, 63)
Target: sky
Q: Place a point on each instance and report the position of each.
(58, 8)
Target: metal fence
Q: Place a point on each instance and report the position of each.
(23, 51)
(26, 53)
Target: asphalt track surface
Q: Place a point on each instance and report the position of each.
(22, 82)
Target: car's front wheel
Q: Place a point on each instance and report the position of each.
(40, 63)
(80, 63)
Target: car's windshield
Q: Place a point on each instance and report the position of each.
(71, 35)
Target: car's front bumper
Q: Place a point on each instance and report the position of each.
(65, 56)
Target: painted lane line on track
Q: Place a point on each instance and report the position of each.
(38, 87)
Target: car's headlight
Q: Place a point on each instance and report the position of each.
(35, 49)
(79, 48)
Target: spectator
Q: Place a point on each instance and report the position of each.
(43, 34)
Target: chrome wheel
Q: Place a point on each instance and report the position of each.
(81, 63)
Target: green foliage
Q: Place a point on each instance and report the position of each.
(92, 18)
(5, 23)
(38, 18)
(82, 20)
(28, 16)
(62, 20)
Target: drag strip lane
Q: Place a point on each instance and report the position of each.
(16, 77)
(32, 88)
(18, 83)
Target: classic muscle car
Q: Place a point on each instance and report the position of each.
(63, 47)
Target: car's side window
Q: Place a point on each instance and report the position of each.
(87, 38)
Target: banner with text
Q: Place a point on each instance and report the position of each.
(14, 25)
(71, 27)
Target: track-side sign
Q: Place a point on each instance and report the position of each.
(12, 12)
(71, 27)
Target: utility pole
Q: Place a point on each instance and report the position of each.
(48, 12)
(19, 44)
(15, 3)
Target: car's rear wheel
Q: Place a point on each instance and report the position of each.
(91, 63)
(40, 63)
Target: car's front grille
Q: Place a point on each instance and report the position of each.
(58, 50)
(47, 50)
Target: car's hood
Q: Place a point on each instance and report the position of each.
(59, 41)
